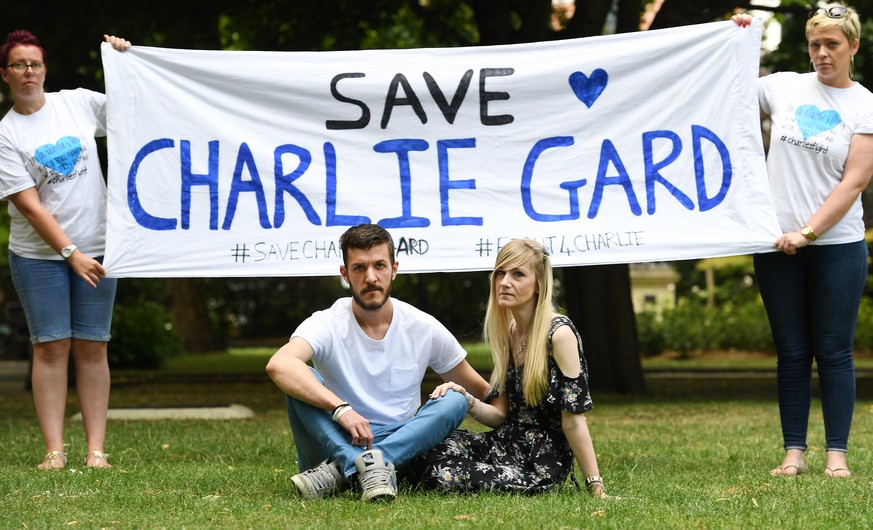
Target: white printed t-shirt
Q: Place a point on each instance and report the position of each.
(812, 129)
(54, 151)
(381, 379)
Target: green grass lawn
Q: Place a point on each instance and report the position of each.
(692, 453)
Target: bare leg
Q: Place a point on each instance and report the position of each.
(49, 379)
(92, 386)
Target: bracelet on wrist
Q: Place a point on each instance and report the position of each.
(592, 480)
(340, 409)
(470, 401)
(471, 408)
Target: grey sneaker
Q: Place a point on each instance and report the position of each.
(378, 480)
(324, 479)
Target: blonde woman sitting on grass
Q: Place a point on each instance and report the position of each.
(538, 399)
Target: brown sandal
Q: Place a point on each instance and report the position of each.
(832, 473)
(785, 471)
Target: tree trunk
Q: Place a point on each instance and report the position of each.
(588, 19)
(628, 16)
(494, 21)
(599, 303)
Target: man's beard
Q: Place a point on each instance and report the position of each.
(374, 306)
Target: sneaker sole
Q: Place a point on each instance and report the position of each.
(382, 494)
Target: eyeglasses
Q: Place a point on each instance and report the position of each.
(21, 67)
(831, 12)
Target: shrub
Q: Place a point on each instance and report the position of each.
(685, 327)
(737, 326)
(651, 337)
(691, 327)
(864, 328)
(141, 337)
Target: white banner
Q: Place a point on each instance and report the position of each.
(613, 149)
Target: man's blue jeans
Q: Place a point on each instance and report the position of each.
(812, 301)
(318, 437)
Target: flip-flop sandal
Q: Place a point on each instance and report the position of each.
(799, 469)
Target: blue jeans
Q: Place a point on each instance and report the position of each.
(318, 437)
(812, 301)
(58, 304)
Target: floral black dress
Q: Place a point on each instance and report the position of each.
(528, 453)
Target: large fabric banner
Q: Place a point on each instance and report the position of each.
(614, 149)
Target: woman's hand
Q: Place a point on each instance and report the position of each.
(742, 19)
(441, 390)
(117, 43)
(86, 268)
(791, 242)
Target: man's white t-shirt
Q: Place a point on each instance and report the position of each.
(381, 379)
(54, 151)
(812, 129)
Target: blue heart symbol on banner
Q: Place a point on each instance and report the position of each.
(812, 121)
(60, 156)
(588, 89)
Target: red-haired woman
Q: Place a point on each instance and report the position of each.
(51, 176)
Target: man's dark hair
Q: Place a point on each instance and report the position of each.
(366, 236)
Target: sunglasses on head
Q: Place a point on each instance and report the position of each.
(831, 12)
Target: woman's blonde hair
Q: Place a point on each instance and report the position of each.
(498, 321)
(849, 23)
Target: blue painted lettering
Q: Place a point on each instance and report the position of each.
(446, 184)
(402, 149)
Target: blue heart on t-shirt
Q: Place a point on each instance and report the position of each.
(60, 156)
(813, 121)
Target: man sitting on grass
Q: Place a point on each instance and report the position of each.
(355, 411)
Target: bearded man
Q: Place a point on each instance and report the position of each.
(355, 413)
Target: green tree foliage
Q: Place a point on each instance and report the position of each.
(142, 336)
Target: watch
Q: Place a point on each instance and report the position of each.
(67, 252)
(807, 232)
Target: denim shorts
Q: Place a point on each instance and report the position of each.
(58, 304)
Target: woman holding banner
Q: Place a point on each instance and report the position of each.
(51, 176)
(819, 161)
(539, 397)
